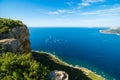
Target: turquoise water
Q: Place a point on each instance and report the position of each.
(85, 47)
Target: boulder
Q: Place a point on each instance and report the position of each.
(58, 75)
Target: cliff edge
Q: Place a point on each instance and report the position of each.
(14, 36)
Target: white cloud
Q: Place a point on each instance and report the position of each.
(106, 12)
(93, 1)
(108, 16)
(84, 4)
(61, 11)
(69, 3)
(53, 12)
(89, 2)
(113, 11)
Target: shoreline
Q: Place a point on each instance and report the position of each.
(83, 69)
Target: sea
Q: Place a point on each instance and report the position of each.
(85, 47)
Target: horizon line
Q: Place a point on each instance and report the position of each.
(69, 26)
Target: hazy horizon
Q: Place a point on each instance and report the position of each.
(70, 26)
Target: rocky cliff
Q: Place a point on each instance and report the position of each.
(14, 39)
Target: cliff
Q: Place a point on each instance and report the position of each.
(14, 36)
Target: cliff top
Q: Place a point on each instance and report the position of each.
(14, 36)
(6, 24)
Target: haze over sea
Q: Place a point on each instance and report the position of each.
(85, 47)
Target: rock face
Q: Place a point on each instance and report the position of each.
(58, 75)
(16, 40)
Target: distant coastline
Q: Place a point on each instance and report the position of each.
(115, 31)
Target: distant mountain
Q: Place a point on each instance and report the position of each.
(111, 31)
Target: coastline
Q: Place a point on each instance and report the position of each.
(108, 32)
(86, 71)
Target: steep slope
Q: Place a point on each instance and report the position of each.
(75, 73)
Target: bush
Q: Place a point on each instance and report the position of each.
(5, 29)
(21, 67)
(6, 24)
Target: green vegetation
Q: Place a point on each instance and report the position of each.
(56, 64)
(33, 67)
(1, 49)
(21, 67)
(6, 24)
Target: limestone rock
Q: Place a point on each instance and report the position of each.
(10, 45)
(58, 75)
(16, 40)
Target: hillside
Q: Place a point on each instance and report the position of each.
(75, 73)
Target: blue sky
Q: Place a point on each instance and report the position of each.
(79, 13)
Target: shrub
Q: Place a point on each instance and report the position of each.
(5, 29)
(6, 24)
(21, 67)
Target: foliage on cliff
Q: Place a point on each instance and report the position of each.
(21, 67)
(6, 24)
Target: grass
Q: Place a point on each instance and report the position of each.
(56, 64)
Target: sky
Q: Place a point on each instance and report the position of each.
(63, 13)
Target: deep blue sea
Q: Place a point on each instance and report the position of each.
(85, 47)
